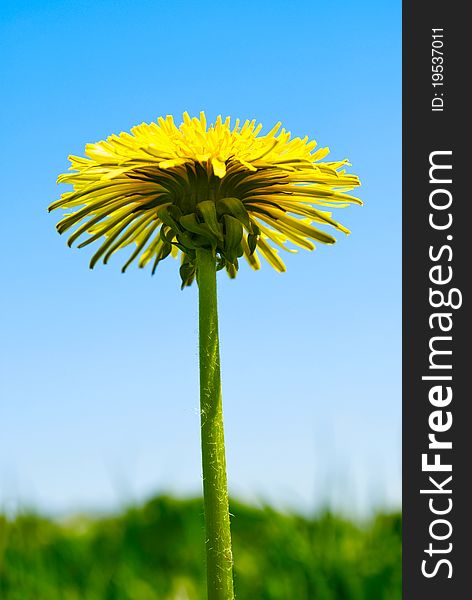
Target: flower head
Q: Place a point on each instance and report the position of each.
(163, 189)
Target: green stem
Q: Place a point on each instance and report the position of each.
(215, 488)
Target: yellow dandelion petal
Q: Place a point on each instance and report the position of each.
(271, 255)
(219, 167)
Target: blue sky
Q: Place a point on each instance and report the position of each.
(99, 382)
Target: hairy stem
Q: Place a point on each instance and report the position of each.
(215, 488)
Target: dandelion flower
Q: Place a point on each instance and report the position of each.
(166, 190)
(211, 194)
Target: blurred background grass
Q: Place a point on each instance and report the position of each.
(156, 552)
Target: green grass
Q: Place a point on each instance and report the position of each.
(156, 552)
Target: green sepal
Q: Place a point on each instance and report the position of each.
(186, 240)
(190, 223)
(252, 242)
(187, 274)
(235, 208)
(233, 237)
(192, 241)
(166, 234)
(207, 210)
(165, 251)
(232, 268)
(255, 229)
(161, 255)
(170, 214)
